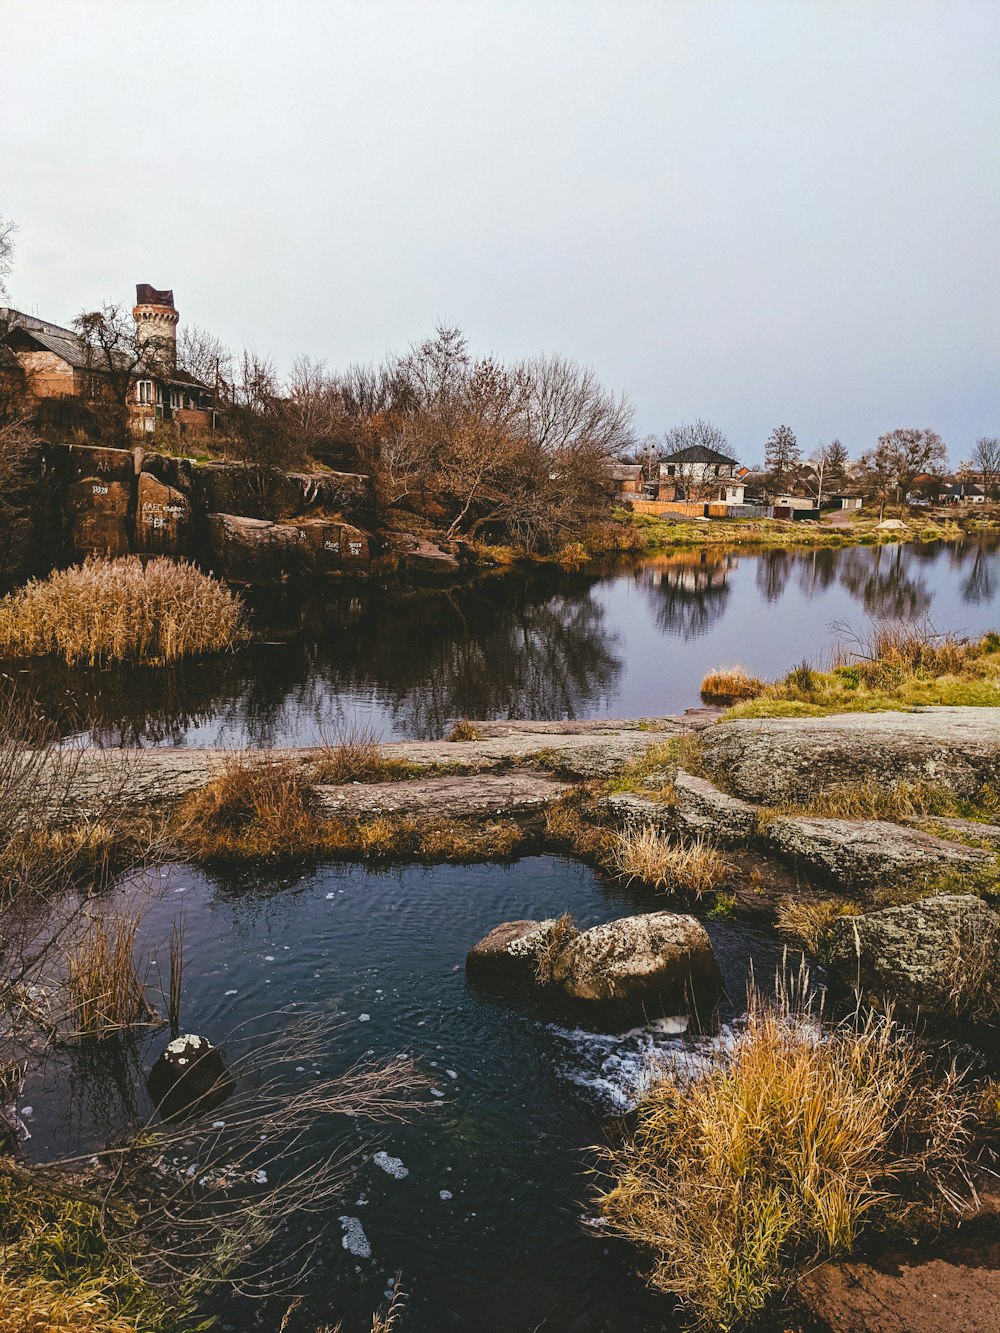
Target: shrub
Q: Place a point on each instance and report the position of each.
(126, 610)
(464, 730)
(359, 757)
(255, 809)
(643, 852)
(738, 1175)
(727, 684)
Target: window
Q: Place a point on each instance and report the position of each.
(144, 391)
(175, 398)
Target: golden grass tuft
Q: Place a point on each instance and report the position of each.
(105, 982)
(359, 756)
(562, 931)
(874, 800)
(124, 610)
(567, 828)
(807, 923)
(739, 1176)
(643, 852)
(728, 684)
(464, 730)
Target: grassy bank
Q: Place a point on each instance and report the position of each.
(893, 667)
(799, 1139)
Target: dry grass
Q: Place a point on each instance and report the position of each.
(643, 852)
(256, 809)
(105, 983)
(463, 730)
(738, 1176)
(892, 665)
(125, 610)
(563, 930)
(872, 800)
(358, 756)
(728, 684)
(566, 826)
(807, 923)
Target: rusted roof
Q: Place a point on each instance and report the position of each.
(146, 295)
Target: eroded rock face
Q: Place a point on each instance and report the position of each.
(788, 759)
(701, 810)
(189, 1077)
(925, 956)
(660, 960)
(97, 510)
(253, 550)
(162, 518)
(865, 854)
(508, 957)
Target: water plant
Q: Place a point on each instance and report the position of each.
(121, 610)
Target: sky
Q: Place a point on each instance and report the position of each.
(751, 211)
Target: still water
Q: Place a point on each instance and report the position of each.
(609, 640)
(485, 1220)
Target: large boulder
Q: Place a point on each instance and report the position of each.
(939, 956)
(97, 510)
(784, 760)
(346, 495)
(659, 961)
(251, 492)
(865, 854)
(162, 518)
(252, 550)
(509, 957)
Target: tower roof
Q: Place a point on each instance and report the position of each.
(146, 295)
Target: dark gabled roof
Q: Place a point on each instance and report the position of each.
(185, 377)
(965, 488)
(64, 343)
(147, 295)
(697, 453)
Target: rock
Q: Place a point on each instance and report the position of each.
(659, 961)
(955, 1286)
(915, 955)
(454, 797)
(623, 808)
(189, 1077)
(864, 854)
(344, 495)
(426, 558)
(989, 834)
(163, 518)
(253, 550)
(355, 548)
(508, 957)
(702, 811)
(83, 462)
(248, 492)
(788, 759)
(97, 510)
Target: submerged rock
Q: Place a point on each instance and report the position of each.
(189, 1076)
(939, 956)
(660, 961)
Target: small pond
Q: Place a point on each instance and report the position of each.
(485, 1227)
(615, 639)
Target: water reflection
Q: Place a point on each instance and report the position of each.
(626, 639)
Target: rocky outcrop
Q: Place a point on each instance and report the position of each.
(703, 811)
(939, 956)
(483, 794)
(97, 512)
(509, 957)
(254, 550)
(865, 854)
(659, 962)
(162, 518)
(786, 760)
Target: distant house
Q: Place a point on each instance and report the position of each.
(55, 362)
(965, 493)
(700, 473)
(842, 500)
(627, 479)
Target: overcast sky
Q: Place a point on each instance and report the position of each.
(760, 211)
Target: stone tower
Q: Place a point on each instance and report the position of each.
(156, 322)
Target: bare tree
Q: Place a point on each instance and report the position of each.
(259, 422)
(318, 414)
(116, 355)
(909, 452)
(7, 233)
(986, 464)
(204, 356)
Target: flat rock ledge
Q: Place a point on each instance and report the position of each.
(659, 962)
(865, 853)
(483, 794)
(785, 760)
